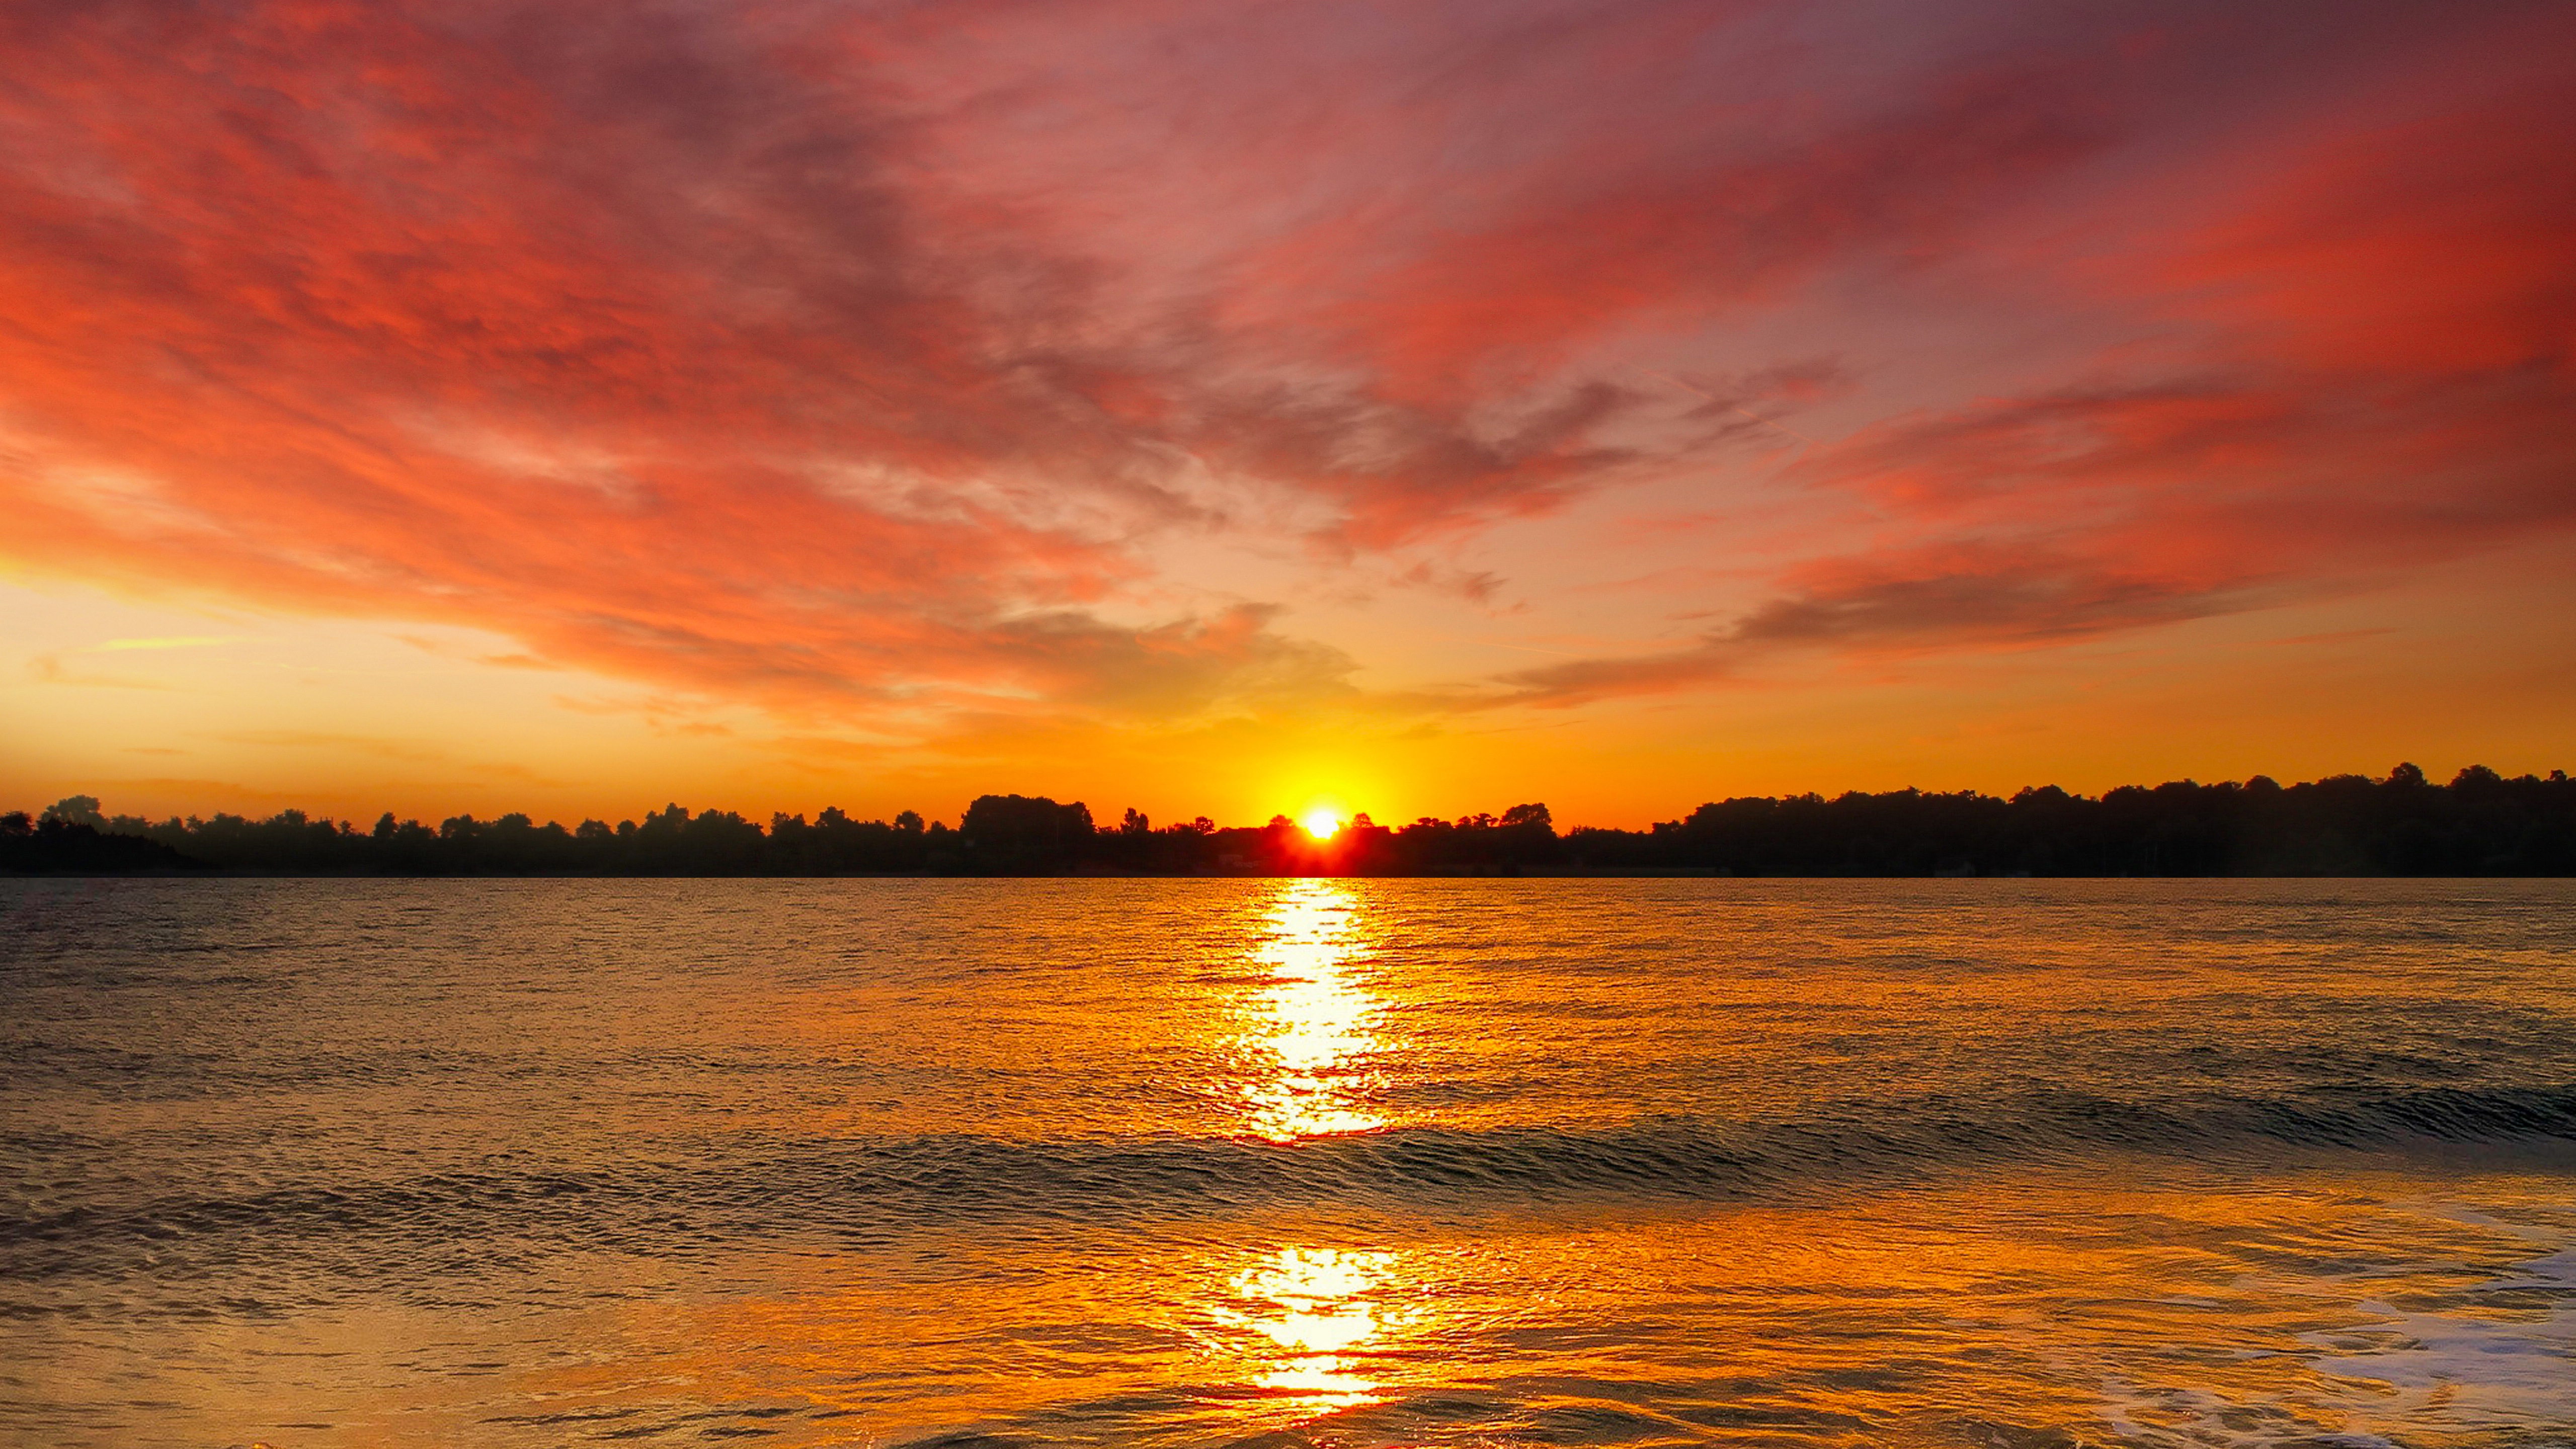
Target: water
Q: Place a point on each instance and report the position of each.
(1356, 1163)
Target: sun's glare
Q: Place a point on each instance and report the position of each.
(1314, 1025)
(1321, 823)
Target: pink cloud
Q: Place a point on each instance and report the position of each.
(845, 359)
(2375, 376)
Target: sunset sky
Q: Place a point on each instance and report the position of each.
(1405, 407)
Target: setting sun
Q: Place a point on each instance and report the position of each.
(1321, 823)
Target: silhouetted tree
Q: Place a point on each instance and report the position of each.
(77, 810)
(1019, 834)
(2481, 823)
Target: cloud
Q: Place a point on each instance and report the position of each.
(2384, 377)
(2058, 517)
(1177, 669)
(1478, 587)
(192, 641)
(326, 740)
(1673, 237)
(315, 290)
(1930, 602)
(50, 669)
(2379, 376)
(861, 364)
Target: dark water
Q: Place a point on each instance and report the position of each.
(1358, 1163)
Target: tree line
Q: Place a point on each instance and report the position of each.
(2481, 823)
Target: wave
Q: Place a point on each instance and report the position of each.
(898, 1185)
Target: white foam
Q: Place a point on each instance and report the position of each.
(2475, 1366)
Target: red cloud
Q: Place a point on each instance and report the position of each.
(825, 357)
(2380, 373)
(606, 335)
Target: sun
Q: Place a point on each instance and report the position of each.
(1322, 823)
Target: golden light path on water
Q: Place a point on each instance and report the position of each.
(1313, 1026)
(1312, 1312)
(1317, 1308)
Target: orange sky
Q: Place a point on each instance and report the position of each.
(1408, 407)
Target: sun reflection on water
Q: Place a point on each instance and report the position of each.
(1313, 1025)
(1309, 1317)
(1316, 1308)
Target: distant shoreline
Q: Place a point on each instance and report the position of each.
(2481, 824)
(199, 872)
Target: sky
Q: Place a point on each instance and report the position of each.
(1416, 408)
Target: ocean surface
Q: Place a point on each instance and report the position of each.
(2009, 1164)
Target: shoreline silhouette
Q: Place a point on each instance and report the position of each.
(2480, 824)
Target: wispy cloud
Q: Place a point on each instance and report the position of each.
(191, 641)
(50, 669)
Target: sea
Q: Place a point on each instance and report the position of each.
(986, 1164)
